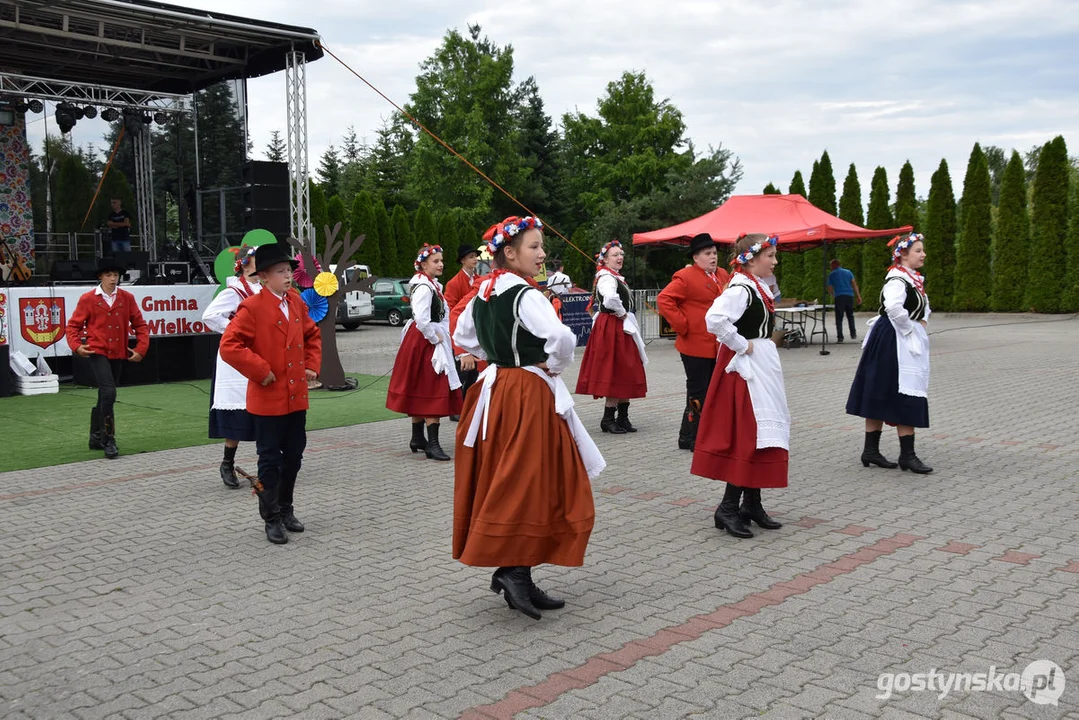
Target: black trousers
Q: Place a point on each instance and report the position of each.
(698, 375)
(844, 305)
(107, 376)
(468, 377)
(280, 441)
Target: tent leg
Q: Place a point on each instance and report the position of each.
(824, 325)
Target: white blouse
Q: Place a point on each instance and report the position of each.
(895, 294)
(607, 287)
(727, 309)
(423, 295)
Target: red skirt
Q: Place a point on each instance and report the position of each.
(522, 496)
(612, 365)
(726, 446)
(415, 388)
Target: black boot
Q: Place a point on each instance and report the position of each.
(434, 449)
(108, 437)
(753, 510)
(609, 424)
(516, 583)
(540, 599)
(623, 417)
(290, 521)
(908, 460)
(687, 434)
(418, 441)
(275, 531)
(96, 430)
(871, 454)
(727, 515)
(228, 468)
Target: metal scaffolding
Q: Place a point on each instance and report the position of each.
(144, 185)
(299, 195)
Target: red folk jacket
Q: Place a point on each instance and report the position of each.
(107, 329)
(259, 339)
(458, 287)
(459, 307)
(683, 304)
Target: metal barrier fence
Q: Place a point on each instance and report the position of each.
(50, 247)
(647, 317)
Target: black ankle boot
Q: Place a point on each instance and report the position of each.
(871, 454)
(609, 424)
(727, 516)
(418, 441)
(908, 460)
(96, 430)
(228, 468)
(434, 449)
(753, 510)
(108, 437)
(290, 521)
(275, 532)
(516, 584)
(540, 599)
(623, 417)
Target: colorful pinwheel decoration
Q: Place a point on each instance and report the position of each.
(317, 305)
(325, 284)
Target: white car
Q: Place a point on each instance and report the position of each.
(356, 306)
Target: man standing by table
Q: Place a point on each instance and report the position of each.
(844, 291)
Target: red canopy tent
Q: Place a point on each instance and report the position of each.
(798, 224)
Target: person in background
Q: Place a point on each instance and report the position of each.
(119, 224)
(558, 282)
(458, 287)
(845, 293)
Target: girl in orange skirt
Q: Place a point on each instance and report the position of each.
(424, 383)
(522, 494)
(614, 359)
(744, 435)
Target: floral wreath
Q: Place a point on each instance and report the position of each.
(243, 257)
(904, 244)
(425, 252)
(601, 256)
(498, 234)
(753, 249)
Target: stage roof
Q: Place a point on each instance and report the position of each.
(142, 45)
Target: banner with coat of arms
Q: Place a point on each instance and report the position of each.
(43, 320)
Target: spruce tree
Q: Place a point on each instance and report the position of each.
(423, 226)
(1011, 243)
(387, 245)
(876, 255)
(1071, 246)
(822, 195)
(771, 189)
(850, 209)
(972, 280)
(941, 225)
(336, 212)
(362, 222)
(447, 238)
(1049, 228)
(407, 246)
(789, 271)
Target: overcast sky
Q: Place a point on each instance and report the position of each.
(875, 82)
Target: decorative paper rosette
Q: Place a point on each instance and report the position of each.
(325, 284)
(317, 305)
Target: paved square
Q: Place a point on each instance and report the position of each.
(143, 588)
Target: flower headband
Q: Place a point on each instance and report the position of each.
(904, 244)
(425, 252)
(602, 254)
(754, 249)
(242, 259)
(500, 233)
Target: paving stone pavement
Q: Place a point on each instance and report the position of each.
(143, 588)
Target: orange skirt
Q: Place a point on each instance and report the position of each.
(612, 365)
(522, 496)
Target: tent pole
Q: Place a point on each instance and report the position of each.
(824, 305)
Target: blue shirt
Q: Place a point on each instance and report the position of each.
(841, 279)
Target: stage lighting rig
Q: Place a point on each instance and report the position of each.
(66, 117)
(110, 114)
(90, 112)
(36, 106)
(160, 118)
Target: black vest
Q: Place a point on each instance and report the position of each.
(756, 322)
(438, 309)
(914, 303)
(502, 336)
(623, 294)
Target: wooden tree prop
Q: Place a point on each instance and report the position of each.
(336, 253)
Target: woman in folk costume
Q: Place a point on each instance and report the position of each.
(744, 435)
(891, 384)
(522, 495)
(614, 359)
(683, 303)
(229, 418)
(424, 383)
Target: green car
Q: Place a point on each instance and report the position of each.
(391, 300)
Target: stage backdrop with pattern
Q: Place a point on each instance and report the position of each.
(16, 218)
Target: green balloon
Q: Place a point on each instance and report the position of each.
(225, 262)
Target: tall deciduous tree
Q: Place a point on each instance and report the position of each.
(822, 195)
(406, 243)
(362, 222)
(850, 209)
(876, 255)
(1049, 228)
(791, 264)
(1011, 243)
(972, 281)
(276, 149)
(941, 226)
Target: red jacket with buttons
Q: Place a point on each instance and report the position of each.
(107, 329)
(683, 304)
(259, 340)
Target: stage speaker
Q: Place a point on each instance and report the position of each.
(268, 197)
(264, 172)
(6, 384)
(73, 271)
(134, 260)
(276, 221)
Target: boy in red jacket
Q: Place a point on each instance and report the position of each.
(98, 331)
(277, 347)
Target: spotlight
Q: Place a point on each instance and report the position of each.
(90, 112)
(65, 117)
(78, 112)
(110, 114)
(147, 118)
(36, 106)
(20, 106)
(160, 118)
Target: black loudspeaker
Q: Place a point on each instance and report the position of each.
(269, 197)
(266, 197)
(73, 271)
(276, 221)
(134, 260)
(264, 172)
(6, 385)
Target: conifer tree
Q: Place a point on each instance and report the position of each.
(387, 244)
(972, 281)
(423, 226)
(789, 271)
(771, 189)
(941, 225)
(850, 209)
(876, 255)
(1011, 243)
(1071, 247)
(906, 199)
(1049, 228)
(447, 238)
(362, 222)
(822, 195)
(319, 216)
(406, 243)
(336, 212)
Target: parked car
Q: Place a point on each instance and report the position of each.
(356, 306)
(391, 299)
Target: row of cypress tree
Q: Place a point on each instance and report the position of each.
(1020, 254)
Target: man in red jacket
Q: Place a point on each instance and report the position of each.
(274, 343)
(683, 304)
(98, 330)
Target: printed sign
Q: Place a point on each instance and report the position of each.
(42, 320)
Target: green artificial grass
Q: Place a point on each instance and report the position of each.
(44, 430)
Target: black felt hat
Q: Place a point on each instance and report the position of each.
(270, 254)
(105, 265)
(464, 251)
(700, 242)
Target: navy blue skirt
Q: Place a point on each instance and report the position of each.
(874, 394)
(229, 424)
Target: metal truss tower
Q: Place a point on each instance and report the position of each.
(299, 194)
